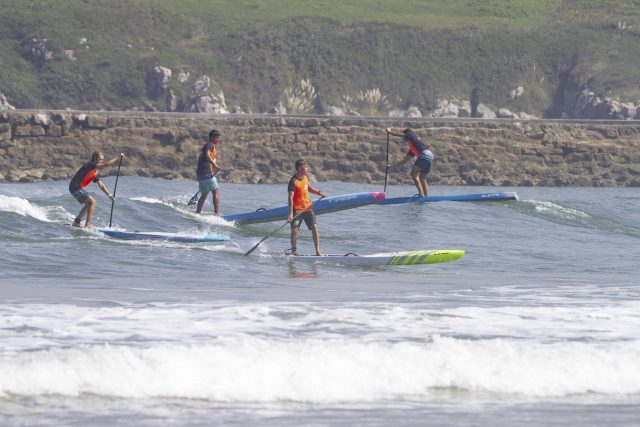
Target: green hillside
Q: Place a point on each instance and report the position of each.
(413, 51)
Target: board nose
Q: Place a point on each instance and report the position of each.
(378, 195)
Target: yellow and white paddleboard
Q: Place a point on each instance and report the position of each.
(398, 258)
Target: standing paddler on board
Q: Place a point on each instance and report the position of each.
(87, 174)
(422, 165)
(206, 171)
(301, 207)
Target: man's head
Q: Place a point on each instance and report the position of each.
(407, 134)
(301, 166)
(97, 156)
(214, 136)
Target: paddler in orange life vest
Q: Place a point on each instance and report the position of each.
(207, 168)
(422, 165)
(299, 201)
(87, 174)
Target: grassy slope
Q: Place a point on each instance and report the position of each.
(416, 13)
(412, 50)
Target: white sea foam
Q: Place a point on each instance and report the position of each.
(250, 369)
(208, 218)
(61, 325)
(150, 200)
(553, 209)
(317, 353)
(23, 207)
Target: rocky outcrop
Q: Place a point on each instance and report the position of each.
(36, 146)
(586, 104)
(158, 79)
(4, 104)
(36, 51)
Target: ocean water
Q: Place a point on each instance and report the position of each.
(539, 323)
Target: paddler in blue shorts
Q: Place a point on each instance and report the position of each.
(422, 165)
(87, 174)
(300, 203)
(207, 168)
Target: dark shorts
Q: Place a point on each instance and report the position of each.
(80, 195)
(423, 164)
(308, 217)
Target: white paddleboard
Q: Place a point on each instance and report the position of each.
(398, 258)
(163, 236)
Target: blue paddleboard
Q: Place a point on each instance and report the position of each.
(482, 197)
(326, 205)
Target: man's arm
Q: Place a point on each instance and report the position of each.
(104, 190)
(110, 162)
(290, 201)
(216, 168)
(319, 193)
(394, 132)
(401, 162)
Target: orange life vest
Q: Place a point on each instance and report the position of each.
(88, 178)
(212, 154)
(301, 199)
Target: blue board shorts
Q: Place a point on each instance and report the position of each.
(308, 217)
(208, 185)
(81, 196)
(424, 161)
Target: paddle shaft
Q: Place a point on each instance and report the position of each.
(277, 229)
(386, 170)
(115, 188)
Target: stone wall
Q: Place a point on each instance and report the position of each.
(51, 145)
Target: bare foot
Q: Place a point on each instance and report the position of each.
(88, 225)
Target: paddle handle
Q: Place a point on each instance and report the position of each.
(115, 188)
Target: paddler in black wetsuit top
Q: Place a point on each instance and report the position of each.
(87, 174)
(206, 171)
(422, 166)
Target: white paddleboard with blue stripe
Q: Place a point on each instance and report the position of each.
(162, 236)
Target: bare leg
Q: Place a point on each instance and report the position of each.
(425, 186)
(216, 202)
(201, 200)
(294, 239)
(91, 206)
(316, 239)
(83, 211)
(416, 180)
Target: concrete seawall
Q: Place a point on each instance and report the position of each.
(51, 145)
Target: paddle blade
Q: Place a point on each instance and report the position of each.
(254, 247)
(194, 199)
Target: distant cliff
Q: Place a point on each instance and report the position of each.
(51, 145)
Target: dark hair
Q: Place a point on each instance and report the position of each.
(407, 131)
(95, 156)
(214, 134)
(300, 163)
